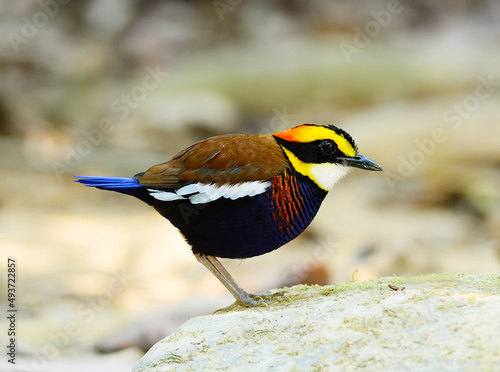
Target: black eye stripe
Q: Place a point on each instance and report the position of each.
(320, 151)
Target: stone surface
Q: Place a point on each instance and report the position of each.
(438, 322)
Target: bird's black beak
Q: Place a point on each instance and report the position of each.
(361, 161)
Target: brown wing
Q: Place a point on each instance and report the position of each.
(228, 159)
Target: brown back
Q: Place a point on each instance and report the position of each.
(229, 159)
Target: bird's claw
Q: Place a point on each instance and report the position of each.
(255, 300)
(268, 298)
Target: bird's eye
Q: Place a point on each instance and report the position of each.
(328, 147)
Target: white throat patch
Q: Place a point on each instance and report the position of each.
(327, 174)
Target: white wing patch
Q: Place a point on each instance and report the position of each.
(164, 195)
(199, 193)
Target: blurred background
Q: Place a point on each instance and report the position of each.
(112, 87)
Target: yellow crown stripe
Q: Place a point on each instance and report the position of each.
(309, 133)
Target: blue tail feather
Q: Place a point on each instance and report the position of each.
(109, 183)
(129, 186)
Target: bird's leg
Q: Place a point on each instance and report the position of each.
(216, 268)
(242, 297)
(263, 297)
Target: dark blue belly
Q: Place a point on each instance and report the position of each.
(248, 226)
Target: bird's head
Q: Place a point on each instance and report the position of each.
(322, 153)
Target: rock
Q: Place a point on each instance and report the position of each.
(437, 322)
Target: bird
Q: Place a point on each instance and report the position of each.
(238, 196)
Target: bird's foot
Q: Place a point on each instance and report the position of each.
(255, 300)
(268, 298)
